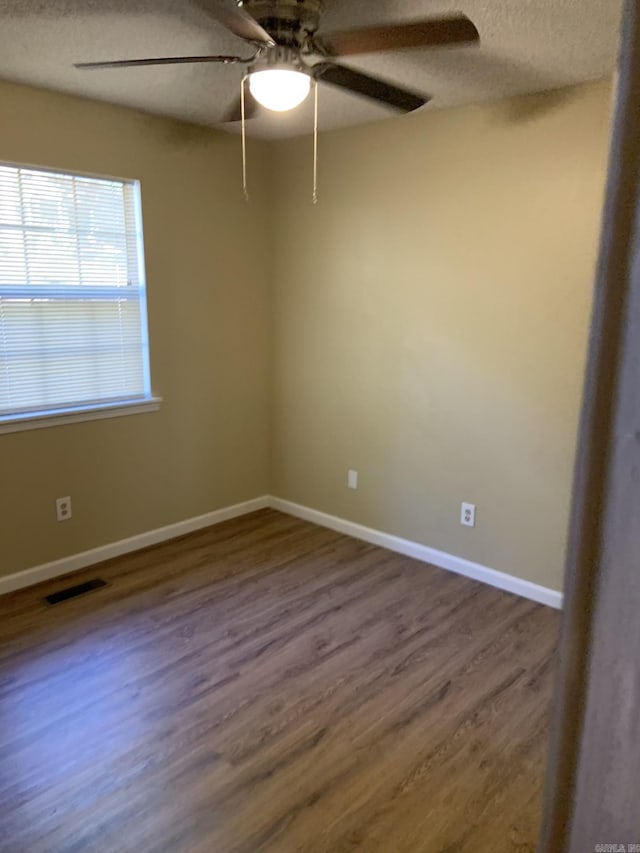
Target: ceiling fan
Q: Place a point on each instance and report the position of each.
(289, 52)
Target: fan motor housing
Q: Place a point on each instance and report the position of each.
(289, 22)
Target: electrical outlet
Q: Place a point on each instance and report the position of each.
(352, 479)
(63, 509)
(468, 515)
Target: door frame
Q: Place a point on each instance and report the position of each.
(592, 793)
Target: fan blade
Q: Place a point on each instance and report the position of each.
(236, 19)
(235, 113)
(162, 60)
(370, 87)
(438, 32)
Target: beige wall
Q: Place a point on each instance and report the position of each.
(430, 322)
(428, 325)
(207, 271)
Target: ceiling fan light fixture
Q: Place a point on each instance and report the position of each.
(279, 89)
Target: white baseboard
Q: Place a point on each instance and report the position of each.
(47, 571)
(509, 583)
(441, 559)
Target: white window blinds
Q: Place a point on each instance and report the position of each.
(73, 326)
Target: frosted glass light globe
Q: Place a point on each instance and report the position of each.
(279, 89)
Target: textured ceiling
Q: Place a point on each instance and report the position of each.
(527, 46)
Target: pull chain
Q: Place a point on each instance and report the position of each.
(315, 143)
(245, 189)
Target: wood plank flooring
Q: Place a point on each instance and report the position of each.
(268, 685)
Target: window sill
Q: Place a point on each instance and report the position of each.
(19, 423)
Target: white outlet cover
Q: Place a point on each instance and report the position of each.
(352, 479)
(468, 515)
(63, 509)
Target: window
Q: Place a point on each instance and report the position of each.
(73, 324)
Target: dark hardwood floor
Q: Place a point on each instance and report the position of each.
(270, 685)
